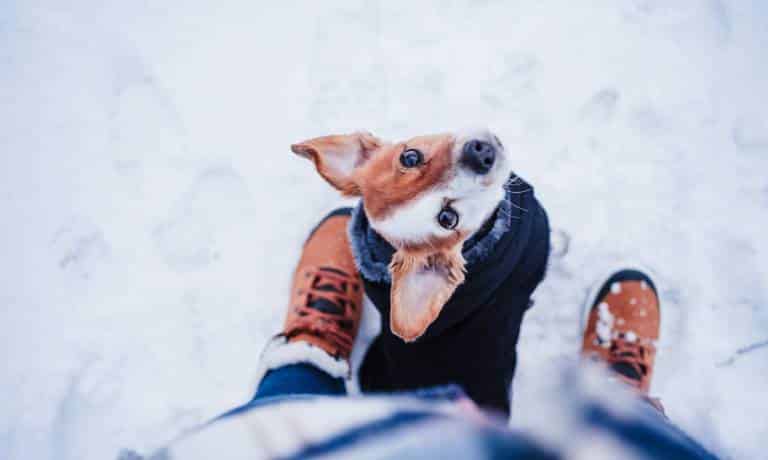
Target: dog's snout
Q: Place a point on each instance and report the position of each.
(478, 155)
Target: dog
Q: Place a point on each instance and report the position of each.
(450, 244)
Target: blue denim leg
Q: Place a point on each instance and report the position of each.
(298, 379)
(648, 431)
(291, 382)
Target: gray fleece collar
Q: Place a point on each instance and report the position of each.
(373, 253)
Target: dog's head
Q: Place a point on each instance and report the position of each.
(425, 196)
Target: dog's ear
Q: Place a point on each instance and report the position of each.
(337, 156)
(421, 285)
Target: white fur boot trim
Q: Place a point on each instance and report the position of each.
(279, 352)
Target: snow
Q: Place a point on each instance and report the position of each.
(152, 211)
(604, 326)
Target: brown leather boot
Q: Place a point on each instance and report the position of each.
(327, 292)
(622, 327)
(326, 303)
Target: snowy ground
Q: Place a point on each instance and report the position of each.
(152, 212)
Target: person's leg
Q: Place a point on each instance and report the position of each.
(311, 354)
(291, 381)
(622, 324)
(646, 430)
(299, 378)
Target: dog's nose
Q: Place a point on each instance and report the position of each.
(478, 156)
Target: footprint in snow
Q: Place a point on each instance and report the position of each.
(193, 234)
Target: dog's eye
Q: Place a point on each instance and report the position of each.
(448, 218)
(411, 158)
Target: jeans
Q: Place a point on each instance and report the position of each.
(646, 433)
(298, 379)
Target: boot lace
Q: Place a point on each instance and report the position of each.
(629, 359)
(327, 308)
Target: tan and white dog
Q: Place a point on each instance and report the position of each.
(426, 196)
